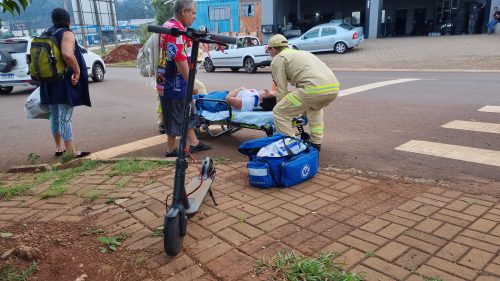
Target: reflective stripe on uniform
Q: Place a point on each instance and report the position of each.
(317, 129)
(293, 99)
(321, 89)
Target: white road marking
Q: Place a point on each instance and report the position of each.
(371, 86)
(490, 108)
(473, 126)
(463, 153)
(128, 147)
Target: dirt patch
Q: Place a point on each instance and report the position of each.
(67, 251)
(123, 53)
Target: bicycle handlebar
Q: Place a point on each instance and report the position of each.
(199, 35)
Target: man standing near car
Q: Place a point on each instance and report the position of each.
(172, 77)
(316, 87)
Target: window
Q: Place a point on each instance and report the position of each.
(14, 47)
(247, 10)
(312, 34)
(327, 31)
(219, 13)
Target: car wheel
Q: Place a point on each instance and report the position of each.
(209, 66)
(340, 47)
(97, 73)
(295, 47)
(250, 66)
(235, 69)
(5, 90)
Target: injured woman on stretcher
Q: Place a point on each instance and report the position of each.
(237, 109)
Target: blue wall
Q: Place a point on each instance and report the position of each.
(203, 19)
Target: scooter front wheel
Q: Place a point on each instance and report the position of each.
(172, 239)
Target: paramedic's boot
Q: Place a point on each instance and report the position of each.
(317, 146)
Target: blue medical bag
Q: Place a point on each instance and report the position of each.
(281, 171)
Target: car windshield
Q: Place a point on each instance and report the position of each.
(14, 47)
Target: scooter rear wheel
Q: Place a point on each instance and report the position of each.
(172, 239)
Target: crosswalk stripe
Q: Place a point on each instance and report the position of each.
(490, 108)
(473, 126)
(371, 86)
(128, 147)
(463, 153)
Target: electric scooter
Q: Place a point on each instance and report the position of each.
(187, 200)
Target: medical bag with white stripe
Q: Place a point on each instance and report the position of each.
(279, 161)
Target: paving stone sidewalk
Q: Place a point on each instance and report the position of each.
(387, 230)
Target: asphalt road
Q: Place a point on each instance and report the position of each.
(362, 129)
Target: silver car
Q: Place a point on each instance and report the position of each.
(336, 36)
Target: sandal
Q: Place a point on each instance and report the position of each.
(81, 154)
(59, 153)
(173, 153)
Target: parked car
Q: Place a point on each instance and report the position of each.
(14, 68)
(247, 53)
(336, 35)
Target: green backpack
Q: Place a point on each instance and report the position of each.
(45, 59)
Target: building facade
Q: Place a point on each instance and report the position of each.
(379, 18)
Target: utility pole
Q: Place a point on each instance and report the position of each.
(113, 20)
(98, 22)
(66, 5)
(82, 23)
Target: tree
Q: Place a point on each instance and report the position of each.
(133, 9)
(163, 10)
(13, 5)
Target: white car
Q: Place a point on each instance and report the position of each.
(14, 68)
(247, 53)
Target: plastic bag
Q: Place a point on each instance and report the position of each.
(33, 108)
(282, 147)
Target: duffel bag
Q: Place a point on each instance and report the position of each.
(279, 161)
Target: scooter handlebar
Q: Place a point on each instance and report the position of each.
(222, 39)
(163, 30)
(191, 33)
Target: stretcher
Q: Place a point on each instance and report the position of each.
(230, 120)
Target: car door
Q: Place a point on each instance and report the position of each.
(88, 60)
(235, 55)
(310, 40)
(327, 38)
(219, 56)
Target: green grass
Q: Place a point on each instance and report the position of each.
(111, 242)
(9, 273)
(294, 267)
(433, 278)
(121, 183)
(8, 192)
(110, 200)
(92, 195)
(158, 232)
(131, 166)
(149, 181)
(62, 178)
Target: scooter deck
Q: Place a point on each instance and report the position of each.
(199, 195)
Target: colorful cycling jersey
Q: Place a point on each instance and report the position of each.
(169, 80)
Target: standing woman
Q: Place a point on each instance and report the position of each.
(73, 90)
